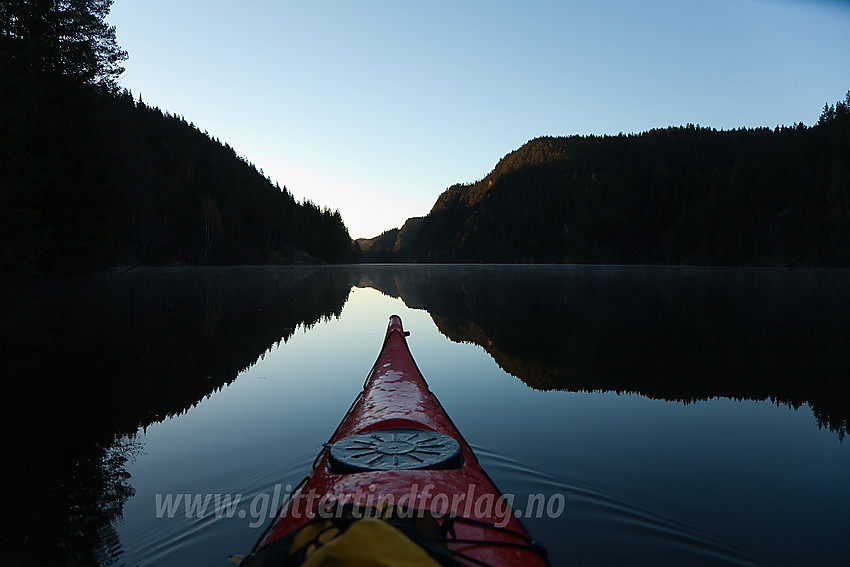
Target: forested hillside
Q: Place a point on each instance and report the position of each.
(192, 199)
(90, 177)
(392, 245)
(686, 195)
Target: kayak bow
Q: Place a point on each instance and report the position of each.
(397, 454)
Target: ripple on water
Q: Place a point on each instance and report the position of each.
(596, 510)
(178, 539)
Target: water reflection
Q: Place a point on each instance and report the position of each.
(679, 334)
(87, 364)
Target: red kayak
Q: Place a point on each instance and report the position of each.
(396, 464)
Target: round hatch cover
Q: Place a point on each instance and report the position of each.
(395, 449)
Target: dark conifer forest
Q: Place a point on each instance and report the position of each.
(192, 199)
(90, 177)
(683, 195)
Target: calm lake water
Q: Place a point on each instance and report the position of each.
(666, 415)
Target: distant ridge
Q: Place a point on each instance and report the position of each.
(394, 245)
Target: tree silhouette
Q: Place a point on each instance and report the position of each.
(67, 37)
(88, 176)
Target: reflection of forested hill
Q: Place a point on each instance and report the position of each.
(106, 355)
(676, 334)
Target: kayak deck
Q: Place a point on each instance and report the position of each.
(397, 445)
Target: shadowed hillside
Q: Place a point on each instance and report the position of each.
(686, 195)
(393, 245)
(89, 177)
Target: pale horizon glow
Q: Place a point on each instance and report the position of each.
(376, 107)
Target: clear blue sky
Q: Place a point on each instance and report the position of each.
(375, 107)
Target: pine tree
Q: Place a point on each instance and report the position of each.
(66, 37)
(54, 195)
